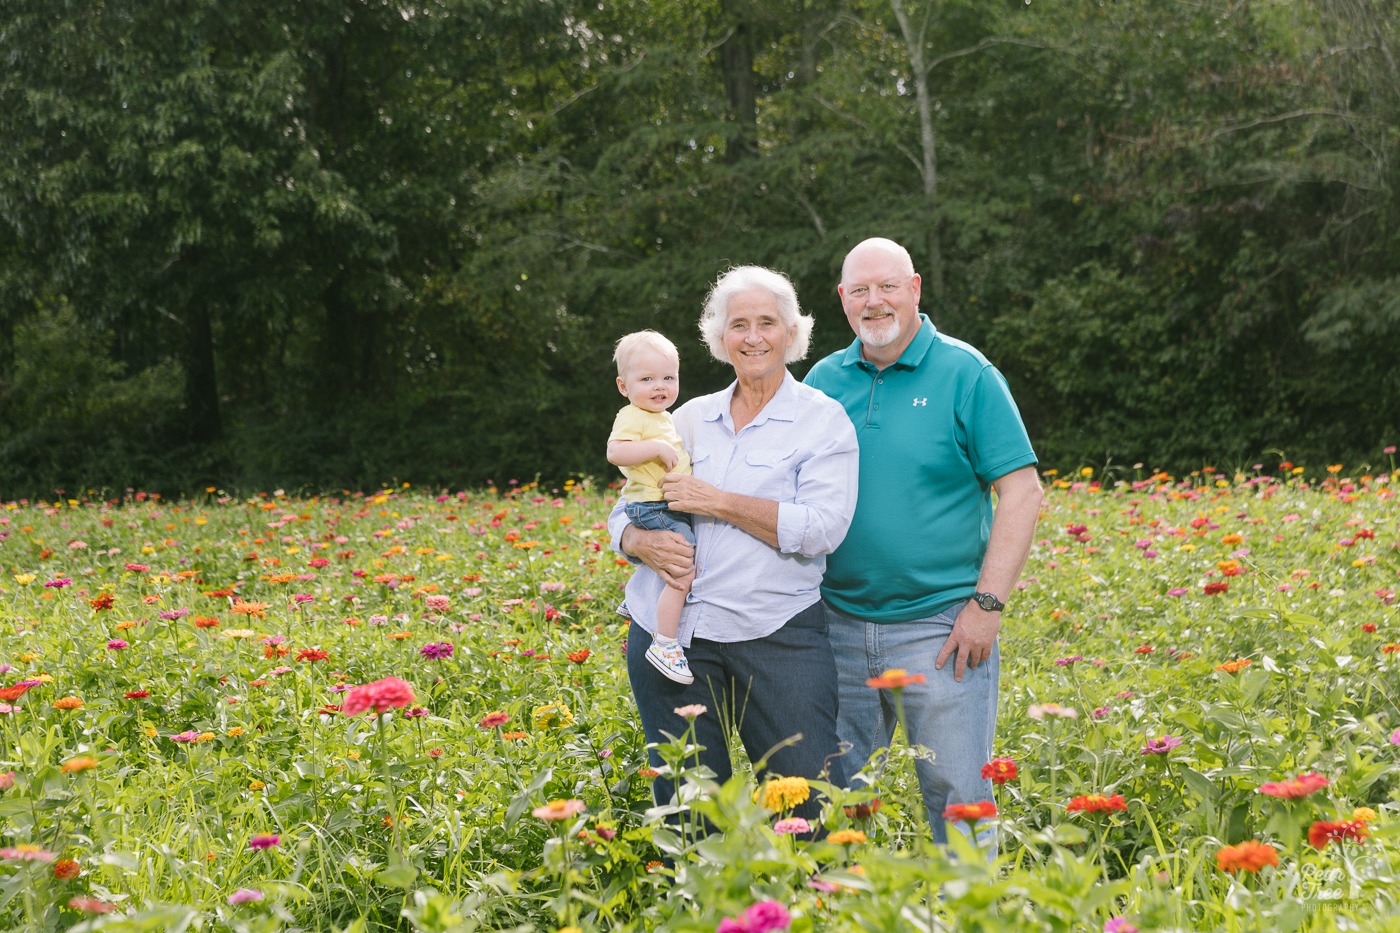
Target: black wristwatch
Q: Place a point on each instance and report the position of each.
(988, 602)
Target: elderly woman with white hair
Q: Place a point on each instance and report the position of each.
(771, 493)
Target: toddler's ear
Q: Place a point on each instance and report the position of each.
(622, 387)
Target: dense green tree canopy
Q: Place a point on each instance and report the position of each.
(351, 241)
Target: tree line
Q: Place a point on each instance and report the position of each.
(346, 242)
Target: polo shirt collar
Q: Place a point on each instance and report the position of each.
(913, 354)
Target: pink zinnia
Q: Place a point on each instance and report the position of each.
(436, 650)
(1160, 746)
(264, 842)
(558, 810)
(762, 917)
(792, 826)
(438, 603)
(389, 693)
(117, 644)
(244, 895)
(26, 853)
(767, 915)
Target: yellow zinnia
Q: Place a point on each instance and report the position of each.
(784, 793)
(552, 716)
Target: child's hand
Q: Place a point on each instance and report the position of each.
(667, 455)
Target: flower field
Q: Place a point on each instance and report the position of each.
(409, 710)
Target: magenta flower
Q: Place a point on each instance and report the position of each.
(1160, 746)
(762, 917)
(264, 842)
(1119, 925)
(244, 895)
(436, 650)
(117, 644)
(1068, 662)
(190, 736)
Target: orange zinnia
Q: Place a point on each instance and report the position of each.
(1250, 855)
(896, 678)
(67, 703)
(250, 609)
(1234, 667)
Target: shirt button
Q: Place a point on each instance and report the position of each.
(879, 382)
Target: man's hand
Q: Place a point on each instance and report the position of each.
(666, 552)
(973, 637)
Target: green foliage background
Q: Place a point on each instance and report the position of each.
(351, 241)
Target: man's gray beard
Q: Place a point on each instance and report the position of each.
(879, 336)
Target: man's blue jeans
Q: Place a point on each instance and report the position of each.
(955, 720)
(771, 688)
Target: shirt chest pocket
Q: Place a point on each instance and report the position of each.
(770, 473)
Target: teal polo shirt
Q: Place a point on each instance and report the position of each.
(936, 428)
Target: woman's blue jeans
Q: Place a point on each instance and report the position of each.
(770, 689)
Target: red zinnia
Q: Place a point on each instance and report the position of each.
(1322, 832)
(389, 693)
(578, 657)
(863, 811)
(1301, 786)
(312, 654)
(1096, 803)
(1000, 770)
(492, 720)
(970, 812)
(10, 694)
(137, 694)
(1212, 589)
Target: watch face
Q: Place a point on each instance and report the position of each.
(989, 602)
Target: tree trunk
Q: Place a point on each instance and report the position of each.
(201, 382)
(736, 64)
(928, 150)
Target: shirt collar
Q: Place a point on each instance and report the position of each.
(913, 354)
(781, 407)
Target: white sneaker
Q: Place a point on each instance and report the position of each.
(670, 660)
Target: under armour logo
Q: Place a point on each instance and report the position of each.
(921, 401)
